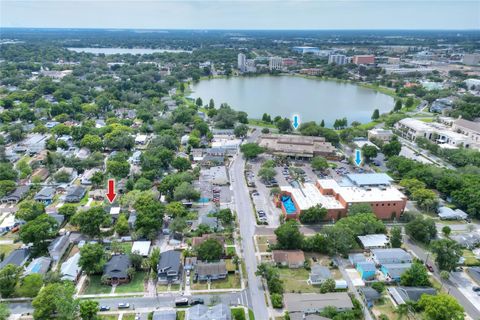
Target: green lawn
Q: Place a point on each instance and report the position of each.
(230, 251)
(130, 316)
(181, 315)
(470, 259)
(232, 281)
(251, 315)
(7, 248)
(108, 317)
(135, 285)
(386, 307)
(296, 280)
(95, 286)
(238, 313)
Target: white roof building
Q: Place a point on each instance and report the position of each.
(373, 241)
(141, 247)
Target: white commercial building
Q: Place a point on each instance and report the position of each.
(380, 134)
(241, 62)
(275, 63)
(339, 59)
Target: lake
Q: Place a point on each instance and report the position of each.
(311, 99)
(134, 51)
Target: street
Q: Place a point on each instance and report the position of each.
(246, 216)
(449, 286)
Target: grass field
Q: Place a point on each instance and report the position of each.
(386, 307)
(230, 251)
(95, 286)
(296, 280)
(130, 316)
(470, 259)
(135, 285)
(181, 315)
(232, 281)
(238, 313)
(7, 248)
(108, 317)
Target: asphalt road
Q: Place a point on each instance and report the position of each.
(234, 298)
(470, 309)
(246, 218)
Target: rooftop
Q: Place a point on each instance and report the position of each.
(310, 196)
(373, 240)
(302, 302)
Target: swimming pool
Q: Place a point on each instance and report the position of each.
(288, 205)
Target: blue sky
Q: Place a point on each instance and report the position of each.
(242, 14)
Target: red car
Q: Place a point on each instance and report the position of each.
(429, 267)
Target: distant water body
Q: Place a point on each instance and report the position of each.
(312, 99)
(134, 51)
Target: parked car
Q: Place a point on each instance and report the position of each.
(181, 302)
(476, 289)
(429, 267)
(104, 308)
(123, 305)
(196, 301)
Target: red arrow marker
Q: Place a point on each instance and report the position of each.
(111, 195)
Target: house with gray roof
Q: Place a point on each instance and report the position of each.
(390, 256)
(446, 213)
(316, 302)
(355, 258)
(319, 274)
(217, 312)
(165, 315)
(39, 265)
(205, 271)
(17, 257)
(57, 247)
(70, 269)
(394, 271)
(467, 240)
(75, 194)
(116, 269)
(45, 195)
(370, 295)
(169, 267)
(17, 195)
(403, 294)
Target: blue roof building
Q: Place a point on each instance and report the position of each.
(366, 269)
(368, 179)
(394, 271)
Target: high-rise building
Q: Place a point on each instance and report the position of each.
(363, 59)
(250, 66)
(241, 62)
(337, 59)
(275, 63)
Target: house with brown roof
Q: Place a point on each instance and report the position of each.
(289, 258)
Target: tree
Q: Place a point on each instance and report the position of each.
(378, 286)
(142, 184)
(376, 114)
(277, 300)
(319, 163)
(6, 187)
(396, 237)
(7, 172)
(339, 240)
(440, 307)
(416, 276)
(267, 173)
(121, 227)
(4, 311)
(392, 148)
(92, 142)
(186, 191)
(89, 309)
(447, 252)
(55, 299)
(38, 231)
(225, 216)
(409, 103)
(9, 276)
(327, 286)
(284, 125)
(241, 130)
(242, 117)
(225, 118)
(362, 223)
(154, 259)
(369, 152)
(289, 236)
(136, 260)
(251, 150)
(446, 231)
(91, 220)
(266, 118)
(67, 210)
(149, 216)
(119, 169)
(426, 199)
(421, 229)
(30, 285)
(398, 105)
(211, 104)
(199, 102)
(359, 208)
(181, 164)
(29, 210)
(92, 258)
(315, 214)
(209, 250)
